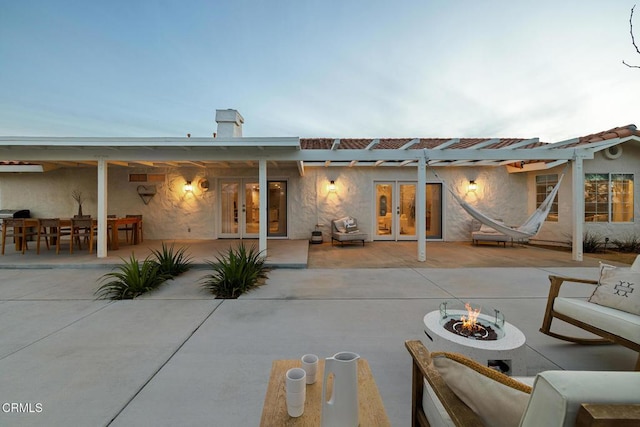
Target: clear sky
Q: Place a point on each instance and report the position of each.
(331, 68)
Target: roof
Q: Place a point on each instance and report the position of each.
(523, 154)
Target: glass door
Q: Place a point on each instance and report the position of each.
(406, 211)
(434, 211)
(395, 210)
(384, 205)
(240, 208)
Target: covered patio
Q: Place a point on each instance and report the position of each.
(301, 254)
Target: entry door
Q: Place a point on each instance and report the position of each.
(395, 203)
(240, 208)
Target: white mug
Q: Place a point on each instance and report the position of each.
(310, 366)
(296, 380)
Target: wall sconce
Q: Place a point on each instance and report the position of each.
(472, 186)
(332, 186)
(188, 188)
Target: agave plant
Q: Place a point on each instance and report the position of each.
(170, 262)
(235, 273)
(131, 279)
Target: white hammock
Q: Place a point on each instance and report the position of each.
(530, 227)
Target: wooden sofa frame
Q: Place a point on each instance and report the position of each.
(550, 314)
(589, 414)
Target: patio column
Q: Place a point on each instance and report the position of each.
(264, 209)
(577, 182)
(102, 208)
(421, 208)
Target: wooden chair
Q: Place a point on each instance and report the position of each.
(50, 229)
(15, 227)
(460, 413)
(130, 228)
(82, 229)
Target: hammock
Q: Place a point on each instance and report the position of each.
(530, 227)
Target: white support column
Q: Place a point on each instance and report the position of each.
(264, 209)
(421, 209)
(577, 201)
(102, 208)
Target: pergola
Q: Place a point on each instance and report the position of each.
(43, 153)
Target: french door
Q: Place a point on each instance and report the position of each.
(240, 208)
(395, 210)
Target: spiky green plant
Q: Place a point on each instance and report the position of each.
(170, 262)
(235, 273)
(629, 243)
(131, 279)
(592, 242)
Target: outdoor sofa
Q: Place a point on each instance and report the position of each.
(611, 312)
(346, 230)
(449, 389)
(484, 233)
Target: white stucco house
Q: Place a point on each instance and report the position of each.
(230, 186)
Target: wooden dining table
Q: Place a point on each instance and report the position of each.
(112, 223)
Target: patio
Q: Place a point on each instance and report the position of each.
(180, 357)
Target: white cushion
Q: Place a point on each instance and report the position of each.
(557, 395)
(486, 229)
(497, 399)
(351, 224)
(339, 224)
(618, 322)
(636, 264)
(618, 288)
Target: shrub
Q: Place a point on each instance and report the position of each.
(131, 280)
(629, 243)
(235, 273)
(591, 243)
(170, 262)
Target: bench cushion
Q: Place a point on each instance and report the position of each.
(557, 395)
(497, 399)
(617, 322)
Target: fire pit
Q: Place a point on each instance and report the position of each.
(479, 333)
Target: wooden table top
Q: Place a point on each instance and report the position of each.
(274, 411)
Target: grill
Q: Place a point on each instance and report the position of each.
(15, 213)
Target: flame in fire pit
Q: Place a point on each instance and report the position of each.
(470, 323)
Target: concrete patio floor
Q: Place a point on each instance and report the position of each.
(180, 357)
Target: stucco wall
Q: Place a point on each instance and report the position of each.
(174, 214)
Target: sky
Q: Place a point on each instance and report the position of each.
(340, 69)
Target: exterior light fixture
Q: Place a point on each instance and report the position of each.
(188, 188)
(332, 186)
(472, 185)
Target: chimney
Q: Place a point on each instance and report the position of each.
(229, 123)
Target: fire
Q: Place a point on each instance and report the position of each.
(469, 323)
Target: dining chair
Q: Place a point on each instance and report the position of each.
(15, 227)
(50, 229)
(130, 228)
(82, 229)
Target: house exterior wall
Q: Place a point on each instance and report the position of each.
(174, 214)
(561, 231)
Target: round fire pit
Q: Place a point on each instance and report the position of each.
(477, 332)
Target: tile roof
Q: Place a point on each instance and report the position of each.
(430, 143)
(617, 132)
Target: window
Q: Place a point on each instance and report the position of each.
(608, 197)
(544, 186)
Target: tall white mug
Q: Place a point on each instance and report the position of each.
(310, 366)
(296, 389)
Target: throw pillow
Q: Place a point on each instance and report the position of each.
(618, 288)
(497, 399)
(351, 225)
(339, 223)
(488, 230)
